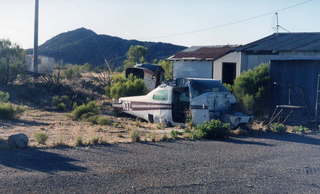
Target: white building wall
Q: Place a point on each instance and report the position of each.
(234, 57)
(192, 69)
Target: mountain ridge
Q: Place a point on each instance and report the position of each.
(82, 46)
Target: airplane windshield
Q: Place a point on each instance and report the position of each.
(199, 87)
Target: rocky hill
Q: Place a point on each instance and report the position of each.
(85, 46)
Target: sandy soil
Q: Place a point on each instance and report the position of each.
(61, 129)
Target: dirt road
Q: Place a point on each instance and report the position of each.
(267, 164)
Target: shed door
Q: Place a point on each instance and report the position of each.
(229, 71)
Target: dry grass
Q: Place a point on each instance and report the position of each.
(63, 131)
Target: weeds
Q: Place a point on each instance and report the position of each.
(300, 129)
(175, 134)
(95, 141)
(161, 126)
(153, 137)
(100, 120)
(278, 128)
(165, 138)
(79, 142)
(135, 136)
(41, 138)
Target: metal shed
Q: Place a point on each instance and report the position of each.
(296, 82)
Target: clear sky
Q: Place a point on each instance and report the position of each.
(157, 20)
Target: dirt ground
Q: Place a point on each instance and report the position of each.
(61, 129)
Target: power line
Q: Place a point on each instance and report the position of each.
(233, 23)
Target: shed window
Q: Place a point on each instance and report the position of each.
(161, 95)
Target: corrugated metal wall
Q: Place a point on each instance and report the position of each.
(297, 77)
(192, 69)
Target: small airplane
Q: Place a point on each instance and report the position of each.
(199, 100)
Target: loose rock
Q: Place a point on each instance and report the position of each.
(18, 141)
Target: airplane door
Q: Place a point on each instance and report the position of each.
(200, 110)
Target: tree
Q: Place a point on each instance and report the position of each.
(252, 88)
(136, 54)
(167, 67)
(12, 59)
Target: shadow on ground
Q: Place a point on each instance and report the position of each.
(21, 123)
(244, 142)
(288, 137)
(38, 160)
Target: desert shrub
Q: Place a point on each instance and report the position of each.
(211, 129)
(300, 129)
(4, 96)
(62, 103)
(9, 111)
(100, 120)
(41, 138)
(79, 141)
(165, 138)
(72, 72)
(278, 128)
(252, 89)
(153, 137)
(175, 134)
(95, 141)
(129, 87)
(85, 111)
(104, 121)
(135, 136)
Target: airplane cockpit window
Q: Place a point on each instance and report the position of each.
(161, 95)
(200, 87)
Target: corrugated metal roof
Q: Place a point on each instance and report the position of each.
(202, 52)
(285, 42)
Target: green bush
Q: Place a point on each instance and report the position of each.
(128, 87)
(211, 129)
(4, 96)
(85, 111)
(12, 61)
(9, 111)
(62, 103)
(252, 89)
(278, 128)
(175, 134)
(167, 67)
(41, 138)
(301, 129)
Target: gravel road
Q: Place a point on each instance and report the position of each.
(264, 164)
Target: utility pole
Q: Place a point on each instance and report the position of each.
(36, 33)
(277, 20)
(278, 26)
